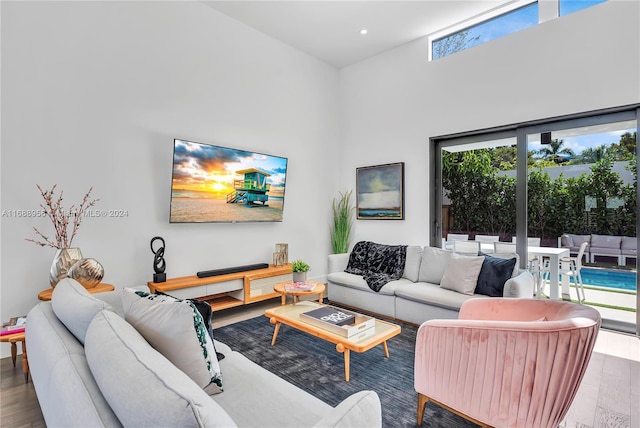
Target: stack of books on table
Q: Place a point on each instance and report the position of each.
(14, 325)
(340, 321)
(300, 286)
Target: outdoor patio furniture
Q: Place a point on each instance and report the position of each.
(605, 245)
(504, 247)
(487, 238)
(466, 247)
(448, 244)
(618, 247)
(628, 248)
(532, 242)
(522, 360)
(573, 265)
(573, 242)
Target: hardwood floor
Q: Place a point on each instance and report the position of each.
(609, 395)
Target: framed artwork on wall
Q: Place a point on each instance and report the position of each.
(380, 192)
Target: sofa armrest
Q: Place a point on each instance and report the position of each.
(361, 409)
(338, 262)
(519, 286)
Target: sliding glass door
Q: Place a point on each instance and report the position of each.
(546, 182)
(582, 188)
(478, 195)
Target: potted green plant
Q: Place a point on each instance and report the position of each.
(300, 269)
(342, 222)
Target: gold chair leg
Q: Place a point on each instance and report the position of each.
(422, 404)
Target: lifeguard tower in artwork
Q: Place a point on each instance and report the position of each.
(253, 188)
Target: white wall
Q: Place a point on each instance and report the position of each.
(93, 94)
(393, 103)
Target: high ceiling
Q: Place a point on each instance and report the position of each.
(330, 30)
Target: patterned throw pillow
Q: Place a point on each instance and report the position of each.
(207, 315)
(175, 328)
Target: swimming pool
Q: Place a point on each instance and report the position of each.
(608, 278)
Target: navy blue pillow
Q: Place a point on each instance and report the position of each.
(494, 273)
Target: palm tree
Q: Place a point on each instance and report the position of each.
(554, 151)
(593, 154)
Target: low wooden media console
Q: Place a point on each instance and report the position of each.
(228, 290)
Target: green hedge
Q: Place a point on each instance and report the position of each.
(483, 200)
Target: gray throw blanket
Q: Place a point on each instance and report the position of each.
(377, 263)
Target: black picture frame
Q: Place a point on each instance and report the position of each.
(380, 192)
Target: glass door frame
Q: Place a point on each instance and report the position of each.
(520, 132)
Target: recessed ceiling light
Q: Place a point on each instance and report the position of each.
(363, 31)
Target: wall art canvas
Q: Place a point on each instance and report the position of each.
(380, 192)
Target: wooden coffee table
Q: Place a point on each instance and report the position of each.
(290, 315)
(296, 294)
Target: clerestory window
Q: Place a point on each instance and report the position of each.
(500, 22)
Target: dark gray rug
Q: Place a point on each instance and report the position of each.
(315, 366)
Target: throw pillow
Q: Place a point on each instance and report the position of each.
(494, 273)
(566, 241)
(461, 274)
(176, 329)
(75, 307)
(434, 263)
(207, 314)
(142, 387)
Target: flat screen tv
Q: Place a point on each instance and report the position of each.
(218, 184)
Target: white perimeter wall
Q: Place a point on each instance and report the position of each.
(93, 94)
(393, 103)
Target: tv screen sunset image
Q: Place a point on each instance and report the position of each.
(219, 184)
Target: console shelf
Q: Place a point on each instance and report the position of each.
(228, 290)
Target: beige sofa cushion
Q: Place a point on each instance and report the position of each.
(75, 307)
(434, 263)
(176, 329)
(461, 274)
(142, 387)
(412, 263)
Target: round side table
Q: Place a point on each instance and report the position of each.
(13, 339)
(100, 288)
(281, 288)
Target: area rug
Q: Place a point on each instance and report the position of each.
(316, 367)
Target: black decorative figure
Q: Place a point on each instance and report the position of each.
(159, 265)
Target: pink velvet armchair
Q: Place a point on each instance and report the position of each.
(506, 362)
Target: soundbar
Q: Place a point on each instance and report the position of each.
(223, 271)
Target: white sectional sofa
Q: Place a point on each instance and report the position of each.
(91, 368)
(418, 296)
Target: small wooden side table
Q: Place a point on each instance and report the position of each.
(100, 288)
(13, 338)
(281, 288)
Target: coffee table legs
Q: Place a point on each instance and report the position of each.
(386, 349)
(275, 331)
(339, 347)
(347, 355)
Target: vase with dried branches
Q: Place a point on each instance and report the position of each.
(66, 224)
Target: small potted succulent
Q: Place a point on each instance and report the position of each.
(299, 269)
